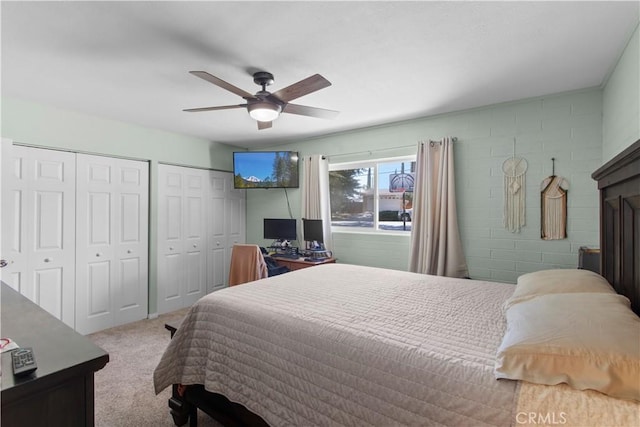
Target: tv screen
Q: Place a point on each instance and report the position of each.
(280, 229)
(265, 169)
(312, 229)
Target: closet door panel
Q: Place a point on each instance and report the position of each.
(235, 223)
(172, 281)
(132, 245)
(48, 289)
(216, 266)
(95, 243)
(195, 234)
(130, 275)
(130, 231)
(180, 221)
(236, 218)
(193, 273)
(13, 244)
(63, 235)
(132, 238)
(38, 226)
(98, 286)
(112, 239)
(170, 197)
(216, 230)
(98, 214)
(49, 213)
(53, 234)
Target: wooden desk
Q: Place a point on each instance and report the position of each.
(61, 391)
(297, 264)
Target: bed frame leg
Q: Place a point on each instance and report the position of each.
(182, 411)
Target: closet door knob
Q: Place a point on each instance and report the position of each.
(98, 254)
(48, 259)
(170, 248)
(195, 246)
(129, 251)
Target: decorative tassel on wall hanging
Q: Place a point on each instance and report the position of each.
(514, 170)
(553, 206)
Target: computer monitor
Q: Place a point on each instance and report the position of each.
(313, 230)
(280, 229)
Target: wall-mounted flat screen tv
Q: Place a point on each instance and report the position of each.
(265, 169)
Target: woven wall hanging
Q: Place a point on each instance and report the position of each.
(553, 206)
(514, 170)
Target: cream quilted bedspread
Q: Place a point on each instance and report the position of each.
(349, 345)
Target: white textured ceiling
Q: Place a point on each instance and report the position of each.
(387, 61)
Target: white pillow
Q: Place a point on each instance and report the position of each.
(587, 340)
(545, 282)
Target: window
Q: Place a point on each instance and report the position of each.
(372, 195)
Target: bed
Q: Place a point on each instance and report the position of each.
(350, 345)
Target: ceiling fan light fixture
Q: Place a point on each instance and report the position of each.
(264, 111)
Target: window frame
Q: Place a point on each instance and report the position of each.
(363, 164)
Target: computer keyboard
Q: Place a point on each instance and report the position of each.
(288, 256)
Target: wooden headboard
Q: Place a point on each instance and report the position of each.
(619, 185)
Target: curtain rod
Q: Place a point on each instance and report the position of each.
(432, 142)
(454, 139)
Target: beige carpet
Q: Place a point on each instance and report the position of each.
(124, 395)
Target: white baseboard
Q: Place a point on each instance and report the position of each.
(152, 316)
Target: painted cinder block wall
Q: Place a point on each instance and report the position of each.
(567, 127)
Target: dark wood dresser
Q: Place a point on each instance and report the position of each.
(61, 391)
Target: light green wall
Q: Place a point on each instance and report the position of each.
(34, 124)
(566, 126)
(621, 102)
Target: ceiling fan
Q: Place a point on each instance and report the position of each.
(265, 106)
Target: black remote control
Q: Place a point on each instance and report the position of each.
(24, 362)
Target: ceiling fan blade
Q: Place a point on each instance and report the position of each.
(221, 83)
(303, 87)
(222, 107)
(303, 110)
(264, 125)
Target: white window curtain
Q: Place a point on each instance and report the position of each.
(315, 194)
(436, 247)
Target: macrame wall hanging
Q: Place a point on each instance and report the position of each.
(514, 170)
(553, 204)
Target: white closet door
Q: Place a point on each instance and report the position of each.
(195, 234)
(170, 267)
(14, 231)
(217, 232)
(132, 295)
(235, 220)
(38, 226)
(181, 237)
(112, 242)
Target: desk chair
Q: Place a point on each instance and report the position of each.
(247, 264)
